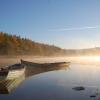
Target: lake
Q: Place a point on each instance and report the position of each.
(59, 84)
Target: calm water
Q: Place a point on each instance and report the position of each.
(57, 85)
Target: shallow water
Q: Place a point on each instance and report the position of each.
(58, 84)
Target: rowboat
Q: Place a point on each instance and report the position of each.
(27, 63)
(12, 72)
(12, 76)
(33, 68)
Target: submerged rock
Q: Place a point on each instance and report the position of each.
(93, 96)
(80, 88)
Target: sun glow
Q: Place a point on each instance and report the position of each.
(90, 58)
(84, 59)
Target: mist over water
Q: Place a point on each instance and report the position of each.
(58, 84)
(5, 61)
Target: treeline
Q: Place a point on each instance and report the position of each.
(15, 45)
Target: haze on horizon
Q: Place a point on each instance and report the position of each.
(64, 23)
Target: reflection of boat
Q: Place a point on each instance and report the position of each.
(7, 86)
(36, 68)
(12, 71)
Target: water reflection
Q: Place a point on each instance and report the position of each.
(33, 70)
(9, 85)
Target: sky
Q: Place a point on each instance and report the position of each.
(70, 24)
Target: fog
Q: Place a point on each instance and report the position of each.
(6, 61)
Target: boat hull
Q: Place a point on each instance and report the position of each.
(15, 73)
(27, 63)
(3, 73)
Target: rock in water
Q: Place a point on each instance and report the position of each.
(80, 88)
(93, 96)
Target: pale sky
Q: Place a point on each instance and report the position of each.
(64, 23)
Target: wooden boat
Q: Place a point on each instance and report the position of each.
(37, 68)
(12, 71)
(3, 71)
(27, 63)
(12, 76)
